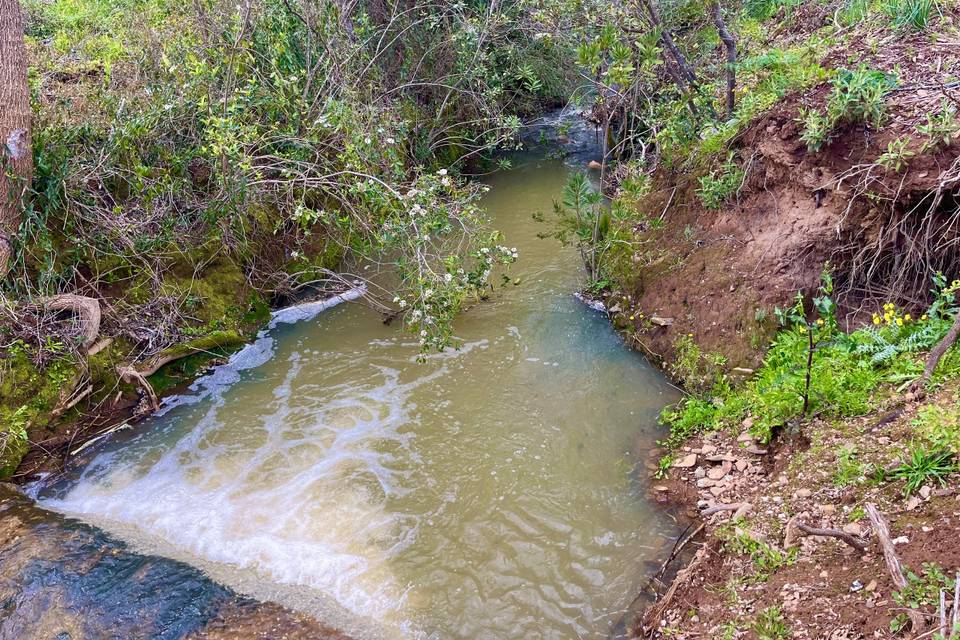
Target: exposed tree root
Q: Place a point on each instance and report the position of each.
(86, 309)
(138, 376)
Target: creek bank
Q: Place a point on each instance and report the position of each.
(698, 292)
(75, 399)
(753, 560)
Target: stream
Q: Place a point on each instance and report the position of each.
(494, 491)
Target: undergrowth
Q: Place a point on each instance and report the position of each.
(846, 370)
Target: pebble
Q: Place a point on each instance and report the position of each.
(802, 493)
(716, 491)
(925, 491)
(699, 473)
(717, 473)
(726, 457)
(703, 483)
(900, 540)
(686, 461)
(828, 509)
(741, 464)
(853, 529)
(871, 586)
(661, 487)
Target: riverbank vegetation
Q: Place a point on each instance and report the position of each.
(194, 165)
(781, 234)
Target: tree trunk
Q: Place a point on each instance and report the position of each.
(731, 45)
(685, 69)
(16, 158)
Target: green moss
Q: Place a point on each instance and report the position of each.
(198, 355)
(213, 295)
(27, 396)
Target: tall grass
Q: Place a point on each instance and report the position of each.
(914, 14)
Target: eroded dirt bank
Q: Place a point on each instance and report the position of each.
(700, 297)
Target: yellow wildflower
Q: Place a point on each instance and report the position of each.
(899, 322)
(923, 317)
(820, 321)
(876, 319)
(907, 318)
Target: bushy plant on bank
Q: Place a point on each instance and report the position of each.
(195, 163)
(298, 141)
(812, 369)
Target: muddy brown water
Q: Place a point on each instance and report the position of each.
(495, 491)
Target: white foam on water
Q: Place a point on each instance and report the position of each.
(290, 493)
(257, 352)
(304, 507)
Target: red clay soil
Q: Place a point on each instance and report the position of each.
(709, 272)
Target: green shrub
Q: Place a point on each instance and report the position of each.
(924, 590)
(924, 465)
(941, 128)
(846, 369)
(857, 97)
(767, 559)
(854, 12)
(771, 625)
(764, 9)
(939, 427)
(720, 185)
(897, 155)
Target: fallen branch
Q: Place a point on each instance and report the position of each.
(857, 543)
(734, 506)
(894, 567)
(652, 616)
(936, 353)
(677, 548)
